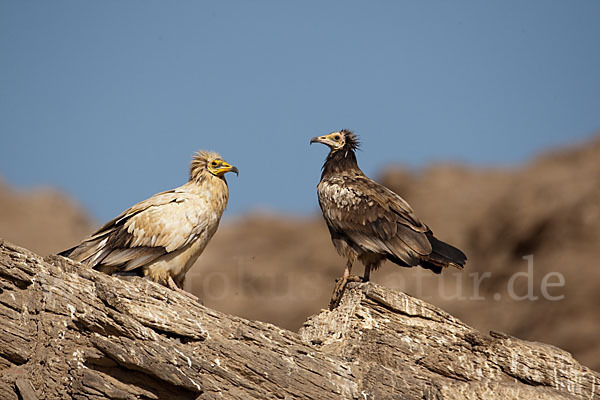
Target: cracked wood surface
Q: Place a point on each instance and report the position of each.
(71, 332)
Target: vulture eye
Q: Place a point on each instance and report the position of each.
(336, 138)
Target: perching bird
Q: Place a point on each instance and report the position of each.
(369, 222)
(162, 237)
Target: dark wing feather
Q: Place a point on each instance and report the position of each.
(373, 218)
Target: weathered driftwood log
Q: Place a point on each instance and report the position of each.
(71, 332)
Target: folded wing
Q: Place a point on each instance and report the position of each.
(164, 223)
(374, 218)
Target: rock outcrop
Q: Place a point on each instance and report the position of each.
(71, 332)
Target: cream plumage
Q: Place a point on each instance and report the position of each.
(162, 237)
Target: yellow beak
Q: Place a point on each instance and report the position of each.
(225, 167)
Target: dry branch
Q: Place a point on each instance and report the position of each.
(71, 332)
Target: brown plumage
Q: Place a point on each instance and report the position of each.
(162, 237)
(370, 223)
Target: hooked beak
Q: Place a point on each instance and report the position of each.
(234, 169)
(228, 168)
(317, 139)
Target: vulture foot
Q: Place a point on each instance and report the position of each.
(340, 286)
(172, 285)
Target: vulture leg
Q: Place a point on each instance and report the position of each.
(367, 273)
(172, 285)
(340, 285)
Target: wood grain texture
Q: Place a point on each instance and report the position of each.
(71, 332)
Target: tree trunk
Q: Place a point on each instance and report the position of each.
(72, 332)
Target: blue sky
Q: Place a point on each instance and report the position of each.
(108, 100)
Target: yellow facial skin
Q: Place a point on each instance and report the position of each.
(219, 168)
(334, 140)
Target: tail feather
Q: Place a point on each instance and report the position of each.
(444, 255)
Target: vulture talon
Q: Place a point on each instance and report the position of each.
(340, 287)
(338, 291)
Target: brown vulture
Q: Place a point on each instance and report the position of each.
(161, 237)
(369, 222)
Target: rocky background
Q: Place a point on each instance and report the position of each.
(281, 269)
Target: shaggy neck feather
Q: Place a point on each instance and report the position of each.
(343, 160)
